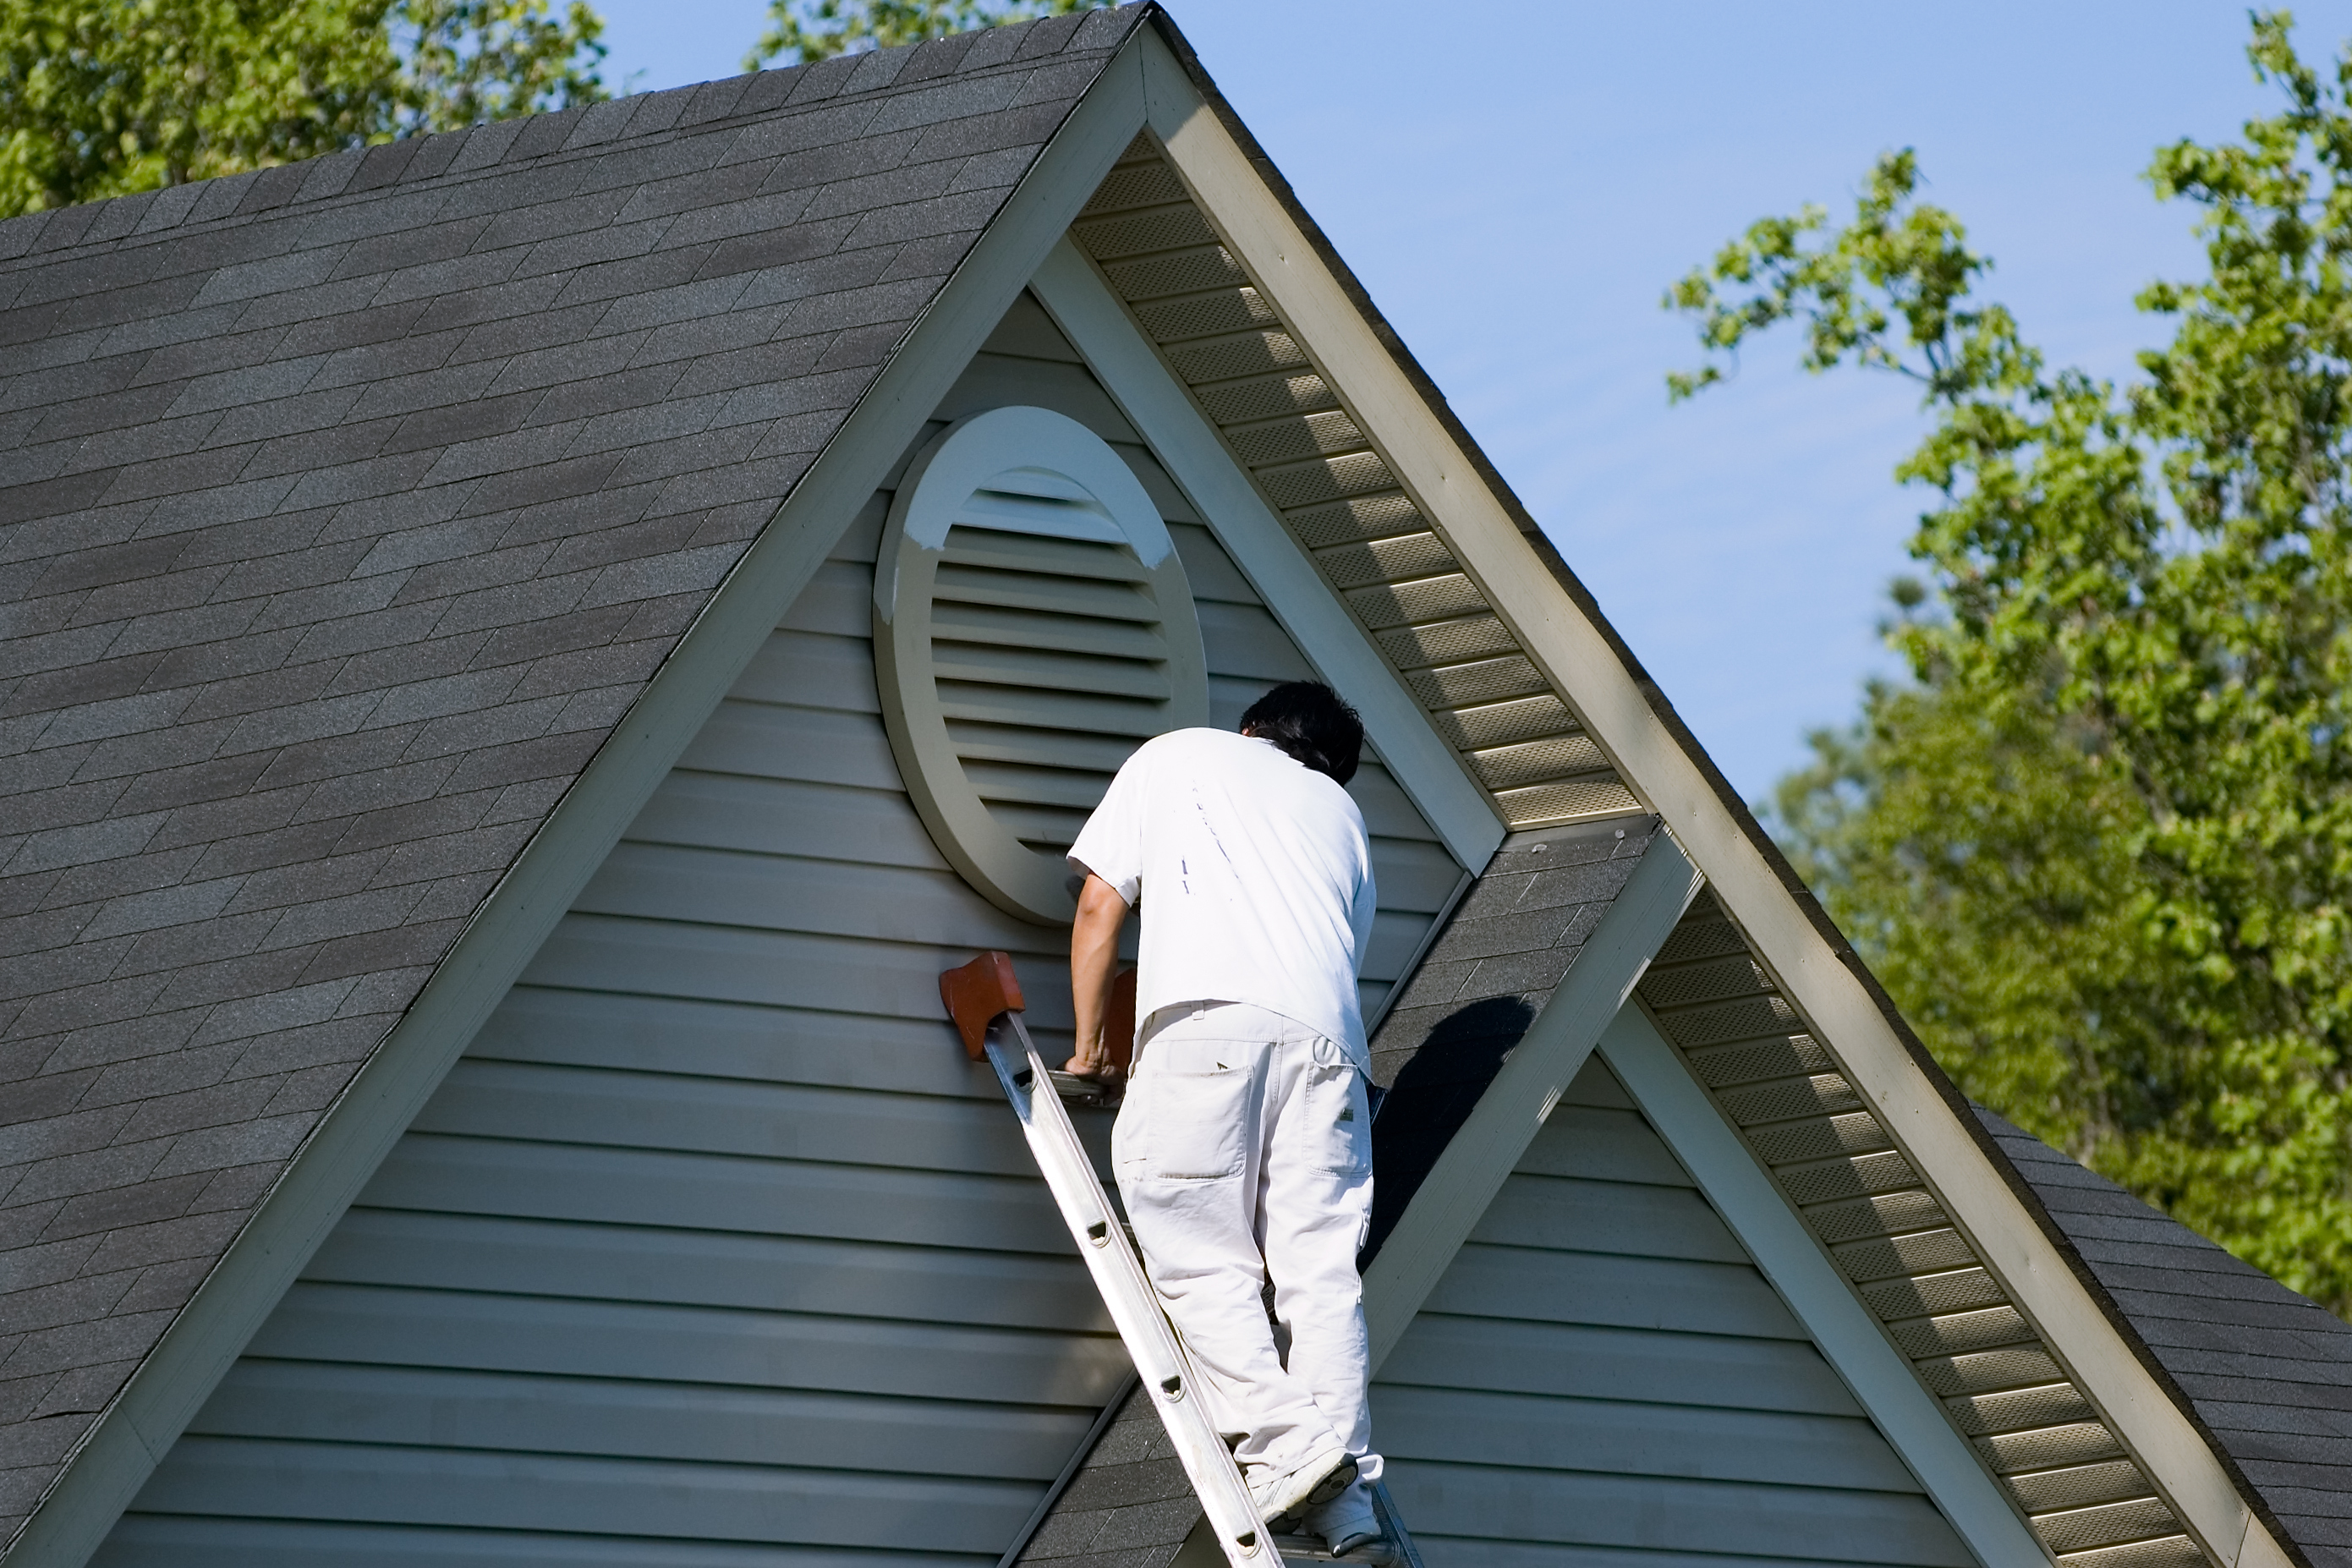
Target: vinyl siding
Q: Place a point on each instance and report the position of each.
(1603, 1378)
(714, 1249)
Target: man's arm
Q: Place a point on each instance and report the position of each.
(1094, 962)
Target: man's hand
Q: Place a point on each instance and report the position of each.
(1094, 962)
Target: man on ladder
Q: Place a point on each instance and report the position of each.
(1243, 1146)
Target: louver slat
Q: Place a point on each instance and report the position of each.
(996, 550)
(2090, 1505)
(1095, 674)
(1012, 784)
(1047, 829)
(1087, 751)
(1041, 710)
(990, 626)
(1317, 468)
(1057, 621)
(1071, 592)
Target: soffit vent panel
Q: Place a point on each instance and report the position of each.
(2088, 1502)
(1032, 627)
(1285, 424)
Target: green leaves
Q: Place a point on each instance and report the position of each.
(1894, 261)
(467, 61)
(2101, 848)
(101, 97)
(801, 30)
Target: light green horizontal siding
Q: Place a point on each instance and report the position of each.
(1604, 1380)
(714, 1251)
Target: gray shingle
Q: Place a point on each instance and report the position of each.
(238, 1144)
(715, 99)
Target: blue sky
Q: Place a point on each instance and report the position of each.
(1516, 185)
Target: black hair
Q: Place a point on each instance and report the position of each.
(1311, 725)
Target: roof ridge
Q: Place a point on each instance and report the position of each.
(554, 136)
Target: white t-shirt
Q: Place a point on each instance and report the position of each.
(1255, 875)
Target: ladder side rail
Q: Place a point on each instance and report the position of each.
(1159, 1357)
(1408, 1555)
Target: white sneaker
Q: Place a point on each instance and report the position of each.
(1282, 1495)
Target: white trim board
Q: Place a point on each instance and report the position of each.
(1160, 407)
(1572, 649)
(1743, 1192)
(128, 1442)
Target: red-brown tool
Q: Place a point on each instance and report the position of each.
(976, 994)
(981, 992)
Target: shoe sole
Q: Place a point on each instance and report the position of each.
(1336, 1479)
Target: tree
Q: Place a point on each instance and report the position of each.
(2100, 847)
(803, 30)
(101, 97)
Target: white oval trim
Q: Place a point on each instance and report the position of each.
(1037, 455)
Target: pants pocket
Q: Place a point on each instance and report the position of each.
(1192, 1118)
(1339, 1119)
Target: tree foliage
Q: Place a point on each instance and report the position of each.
(2100, 847)
(803, 30)
(101, 97)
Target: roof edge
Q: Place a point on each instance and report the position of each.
(1082, 303)
(1511, 1108)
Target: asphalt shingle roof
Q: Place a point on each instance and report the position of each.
(348, 506)
(2267, 1373)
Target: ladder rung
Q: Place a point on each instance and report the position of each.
(1400, 1551)
(1090, 1092)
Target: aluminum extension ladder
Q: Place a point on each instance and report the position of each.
(978, 997)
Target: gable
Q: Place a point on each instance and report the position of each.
(714, 1236)
(1603, 1368)
(1322, 314)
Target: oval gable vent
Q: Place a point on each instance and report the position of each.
(1032, 627)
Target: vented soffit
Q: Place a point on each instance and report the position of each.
(1285, 423)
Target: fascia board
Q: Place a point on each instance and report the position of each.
(1483, 1151)
(1918, 1107)
(1181, 436)
(130, 1439)
(1743, 1192)
(2261, 1549)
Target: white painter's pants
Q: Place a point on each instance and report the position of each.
(1245, 1152)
